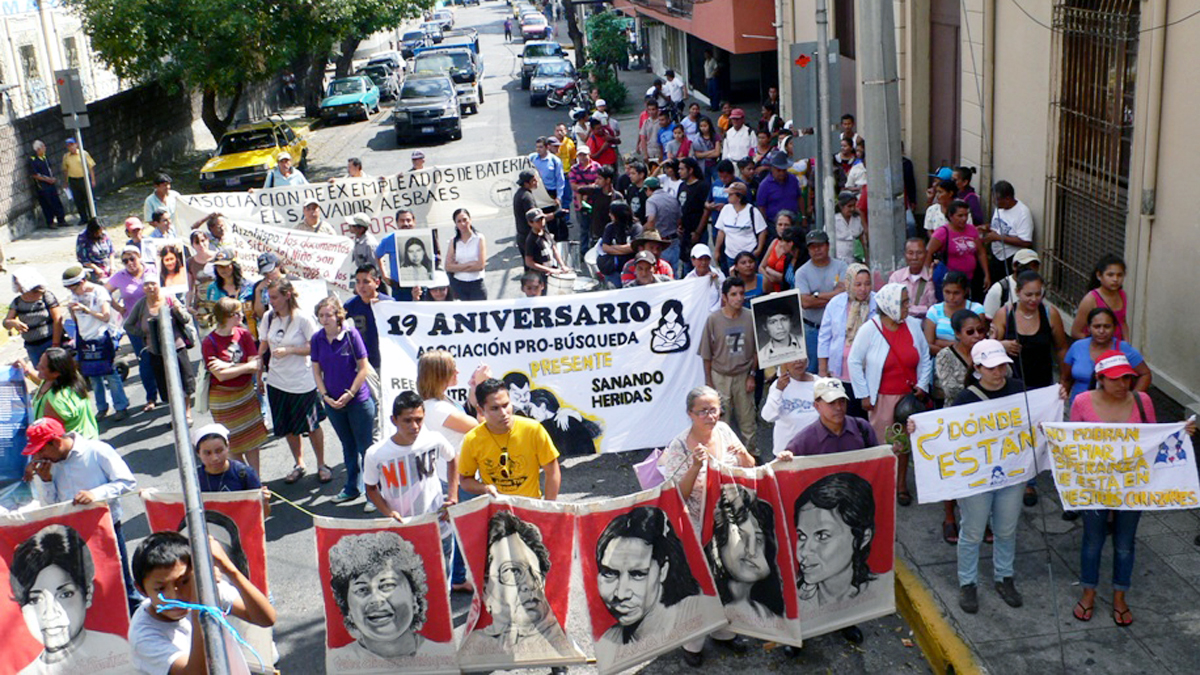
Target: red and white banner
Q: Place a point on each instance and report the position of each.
(841, 521)
(750, 554)
(235, 520)
(522, 581)
(65, 607)
(647, 585)
(387, 602)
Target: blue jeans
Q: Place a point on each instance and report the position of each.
(1095, 528)
(585, 232)
(810, 344)
(113, 381)
(1003, 508)
(131, 592)
(671, 255)
(714, 94)
(145, 368)
(35, 351)
(614, 279)
(354, 425)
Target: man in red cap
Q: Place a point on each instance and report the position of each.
(80, 470)
(738, 139)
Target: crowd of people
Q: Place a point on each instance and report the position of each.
(965, 320)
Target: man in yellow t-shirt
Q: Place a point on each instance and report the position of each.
(507, 452)
(72, 168)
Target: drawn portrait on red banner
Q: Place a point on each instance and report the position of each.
(387, 603)
(66, 611)
(647, 586)
(746, 543)
(841, 519)
(517, 616)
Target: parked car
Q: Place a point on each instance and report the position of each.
(246, 154)
(534, 53)
(350, 97)
(534, 27)
(445, 17)
(433, 31)
(462, 65)
(392, 58)
(412, 41)
(428, 106)
(384, 77)
(548, 76)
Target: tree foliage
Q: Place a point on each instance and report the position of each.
(608, 45)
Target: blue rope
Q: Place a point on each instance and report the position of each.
(218, 615)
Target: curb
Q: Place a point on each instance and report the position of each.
(943, 648)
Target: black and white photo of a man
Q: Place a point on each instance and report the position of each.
(835, 522)
(53, 580)
(778, 329)
(523, 626)
(742, 554)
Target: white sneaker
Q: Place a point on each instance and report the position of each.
(369, 507)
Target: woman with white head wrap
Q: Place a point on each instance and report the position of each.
(890, 359)
(34, 313)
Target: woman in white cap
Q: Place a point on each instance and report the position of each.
(34, 313)
(1113, 401)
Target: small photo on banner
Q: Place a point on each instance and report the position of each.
(1126, 467)
(648, 588)
(746, 542)
(387, 602)
(65, 608)
(235, 520)
(841, 519)
(522, 581)
(414, 255)
(778, 328)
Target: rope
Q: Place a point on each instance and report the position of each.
(294, 505)
(217, 615)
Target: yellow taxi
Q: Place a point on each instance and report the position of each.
(248, 153)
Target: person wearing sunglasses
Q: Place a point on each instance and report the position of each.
(507, 452)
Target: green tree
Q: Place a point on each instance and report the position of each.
(608, 45)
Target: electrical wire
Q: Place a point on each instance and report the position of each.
(1168, 24)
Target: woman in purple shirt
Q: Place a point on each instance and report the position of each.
(340, 367)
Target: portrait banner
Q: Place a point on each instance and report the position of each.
(778, 328)
(970, 449)
(591, 368)
(65, 609)
(485, 188)
(414, 251)
(167, 258)
(1127, 467)
(647, 585)
(746, 542)
(235, 520)
(522, 583)
(387, 601)
(841, 520)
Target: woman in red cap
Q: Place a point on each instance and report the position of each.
(1113, 401)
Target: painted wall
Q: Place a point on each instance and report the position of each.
(723, 23)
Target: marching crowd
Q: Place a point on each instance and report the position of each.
(679, 196)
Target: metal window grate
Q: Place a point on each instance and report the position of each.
(1096, 43)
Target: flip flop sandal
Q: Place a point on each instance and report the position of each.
(950, 533)
(1123, 618)
(296, 474)
(1082, 613)
(324, 474)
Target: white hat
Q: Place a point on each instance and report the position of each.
(25, 279)
(583, 150)
(989, 354)
(828, 389)
(600, 103)
(1026, 256)
(283, 155)
(440, 279)
(210, 430)
(701, 251)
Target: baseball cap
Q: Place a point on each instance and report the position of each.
(359, 219)
(133, 223)
(553, 142)
(701, 251)
(816, 237)
(1113, 363)
(989, 354)
(417, 154)
(737, 113)
(267, 262)
(828, 389)
(534, 214)
(70, 140)
(525, 176)
(944, 173)
(41, 432)
(651, 183)
(646, 257)
(310, 202)
(283, 155)
(1026, 256)
(583, 150)
(213, 429)
(601, 103)
(224, 257)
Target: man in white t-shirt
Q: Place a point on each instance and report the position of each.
(401, 472)
(738, 139)
(1004, 292)
(702, 267)
(91, 308)
(1010, 231)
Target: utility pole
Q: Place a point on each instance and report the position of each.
(881, 128)
(824, 169)
(74, 110)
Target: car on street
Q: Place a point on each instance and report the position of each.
(412, 41)
(534, 53)
(548, 76)
(444, 17)
(351, 97)
(433, 31)
(534, 27)
(384, 77)
(392, 58)
(462, 65)
(246, 154)
(428, 107)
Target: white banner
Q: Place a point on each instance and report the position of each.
(305, 254)
(603, 371)
(970, 449)
(1128, 467)
(484, 188)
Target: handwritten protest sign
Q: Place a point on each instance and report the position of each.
(969, 449)
(304, 254)
(1128, 467)
(591, 368)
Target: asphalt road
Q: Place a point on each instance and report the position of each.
(504, 126)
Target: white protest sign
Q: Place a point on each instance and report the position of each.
(970, 449)
(1129, 467)
(485, 188)
(601, 371)
(305, 254)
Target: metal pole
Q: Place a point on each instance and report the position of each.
(87, 174)
(881, 128)
(202, 567)
(824, 170)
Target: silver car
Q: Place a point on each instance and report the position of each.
(548, 76)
